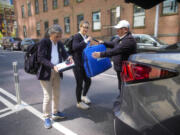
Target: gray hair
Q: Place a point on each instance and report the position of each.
(55, 29)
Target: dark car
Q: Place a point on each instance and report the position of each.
(7, 42)
(26, 42)
(150, 100)
(149, 103)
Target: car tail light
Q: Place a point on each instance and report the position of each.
(137, 72)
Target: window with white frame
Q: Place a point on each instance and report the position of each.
(170, 7)
(67, 24)
(139, 17)
(115, 15)
(115, 18)
(96, 16)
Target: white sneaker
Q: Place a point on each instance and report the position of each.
(82, 105)
(85, 99)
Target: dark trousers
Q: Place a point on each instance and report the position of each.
(119, 80)
(80, 76)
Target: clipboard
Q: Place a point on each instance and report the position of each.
(66, 65)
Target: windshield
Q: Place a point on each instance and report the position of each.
(161, 42)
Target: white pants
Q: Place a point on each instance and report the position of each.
(51, 91)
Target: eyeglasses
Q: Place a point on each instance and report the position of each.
(58, 36)
(86, 27)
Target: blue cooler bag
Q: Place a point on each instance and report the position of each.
(94, 66)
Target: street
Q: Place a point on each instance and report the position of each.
(98, 120)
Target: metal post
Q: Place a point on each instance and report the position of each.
(16, 82)
(156, 22)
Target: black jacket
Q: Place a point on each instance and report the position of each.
(121, 50)
(44, 57)
(78, 47)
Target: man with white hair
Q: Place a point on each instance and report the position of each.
(122, 48)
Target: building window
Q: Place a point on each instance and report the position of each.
(22, 11)
(45, 6)
(139, 17)
(170, 7)
(66, 2)
(115, 15)
(96, 20)
(46, 25)
(24, 31)
(29, 9)
(79, 1)
(55, 4)
(36, 6)
(38, 29)
(56, 21)
(79, 19)
(115, 18)
(67, 24)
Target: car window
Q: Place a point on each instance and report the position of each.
(137, 39)
(146, 40)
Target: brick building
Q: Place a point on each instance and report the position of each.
(35, 16)
(7, 18)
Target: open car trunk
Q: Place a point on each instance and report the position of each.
(146, 4)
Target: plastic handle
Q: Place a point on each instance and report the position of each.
(88, 44)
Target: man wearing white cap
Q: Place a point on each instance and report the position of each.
(122, 48)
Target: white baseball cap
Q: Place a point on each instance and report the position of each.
(122, 24)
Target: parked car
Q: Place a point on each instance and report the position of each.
(173, 46)
(150, 100)
(17, 44)
(26, 42)
(7, 42)
(146, 42)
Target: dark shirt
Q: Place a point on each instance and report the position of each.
(44, 57)
(121, 50)
(78, 47)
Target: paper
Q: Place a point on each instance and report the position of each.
(66, 65)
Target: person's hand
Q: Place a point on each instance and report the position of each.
(101, 41)
(89, 39)
(70, 59)
(96, 54)
(55, 68)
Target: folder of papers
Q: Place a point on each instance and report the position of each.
(66, 65)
